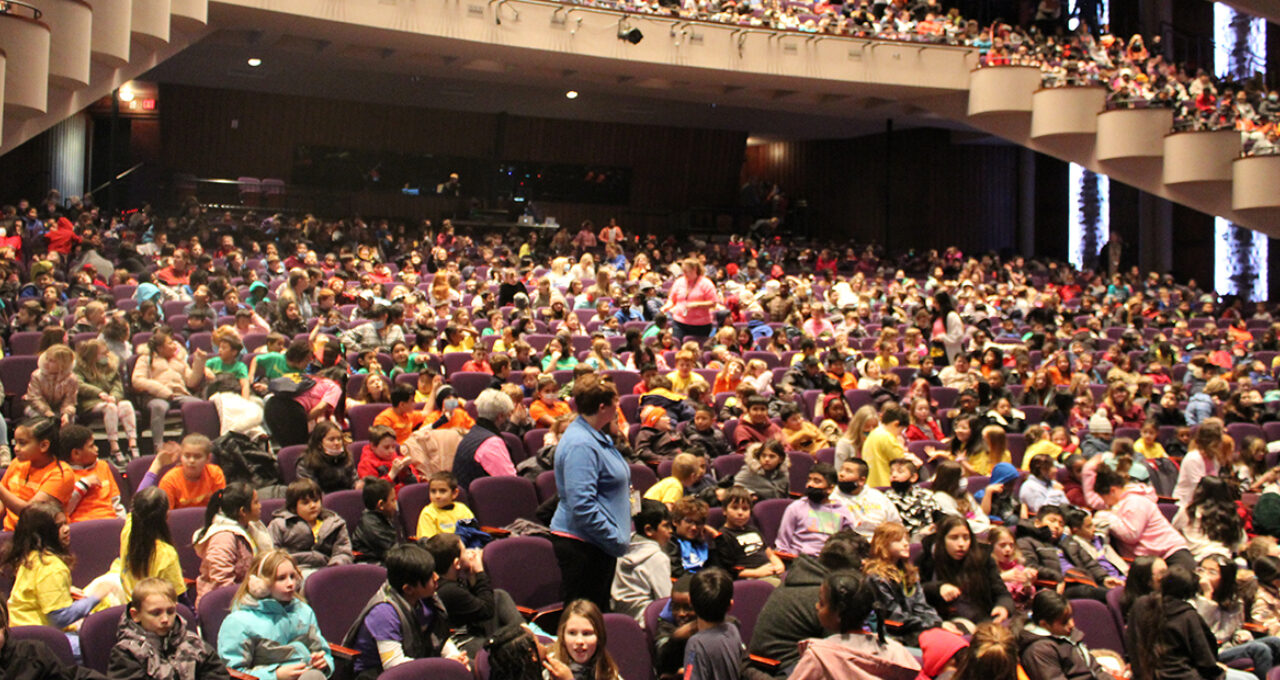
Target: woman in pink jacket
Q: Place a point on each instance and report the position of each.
(692, 302)
(1137, 523)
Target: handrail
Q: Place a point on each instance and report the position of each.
(7, 5)
(120, 176)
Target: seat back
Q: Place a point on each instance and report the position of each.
(361, 418)
(515, 447)
(546, 485)
(349, 505)
(525, 567)
(499, 501)
(183, 523)
(749, 596)
(1114, 598)
(214, 607)
(201, 417)
(629, 647)
(52, 638)
(98, 634)
(642, 477)
(768, 516)
(356, 583)
(798, 470)
(436, 669)
(1098, 625)
(728, 465)
(96, 543)
(410, 501)
(468, 385)
(287, 458)
(286, 419)
(137, 469)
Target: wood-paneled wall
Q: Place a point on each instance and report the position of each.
(225, 133)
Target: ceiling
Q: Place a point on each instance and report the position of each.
(339, 61)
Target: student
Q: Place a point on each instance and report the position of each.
(404, 620)
(643, 575)
(101, 391)
(230, 538)
(1091, 551)
(271, 632)
(884, 444)
(1169, 638)
(702, 430)
(1039, 541)
(401, 417)
(39, 556)
(445, 511)
(1138, 525)
(1040, 488)
(194, 481)
(951, 493)
(1038, 442)
(685, 472)
(475, 608)
(53, 389)
(676, 624)
(756, 427)
(715, 651)
(808, 522)
(799, 434)
(1051, 647)
(869, 507)
(228, 362)
(547, 405)
(657, 441)
(1221, 606)
(740, 545)
(846, 599)
(96, 495)
(313, 536)
(580, 651)
(448, 412)
(1147, 445)
(154, 643)
(327, 460)
(1211, 523)
(382, 458)
(146, 545)
(896, 581)
(765, 471)
(379, 528)
(1266, 605)
(916, 505)
(36, 475)
(689, 549)
(961, 579)
(1019, 579)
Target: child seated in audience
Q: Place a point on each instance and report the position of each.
(39, 557)
(154, 643)
(808, 522)
(230, 538)
(1091, 551)
(475, 608)
(408, 596)
(448, 411)
(52, 390)
(271, 632)
(195, 479)
(1038, 442)
(1040, 542)
(382, 458)
(228, 362)
(36, 474)
(740, 546)
(146, 545)
(25, 659)
(269, 363)
(798, 434)
(1266, 604)
(367, 362)
(313, 536)
(96, 494)
(676, 624)
(702, 430)
(579, 650)
(845, 600)
(686, 471)
(756, 426)
(401, 417)
(765, 471)
(1052, 647)
(643, 575)
(899, 593)
(657, 441)
(379, 528)
(689, 549)
(445, 511)
(1018, 578)
(1147, 445)
(715, 651)
(547, 405)
(916, 506)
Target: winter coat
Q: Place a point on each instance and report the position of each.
(1039, 551)
(973, 606)
(1190, 650)
(764, 485)
(654, 446)
(51, 393)
(1087, 558)
(855, 657)
(226, 552)
(643, 575)
(714, 441)
(180, 655)
(374, 536)
(911, 610)
(326, 547)
(32, 660)
(259, 636)
(1050, 657)
(789, 615)
(110, 382)
(332, 473)
(155, 377)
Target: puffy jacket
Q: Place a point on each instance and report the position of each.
(51, 393)
(855, 657)
(90, 387)
(155, 376)
(1039, 551)
(180, 655)
(764, 485)
(325, 547)
(1049, 657)
(259, 636)
(226, 552)
(643, 575)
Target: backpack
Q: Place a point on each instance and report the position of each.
(244, 460)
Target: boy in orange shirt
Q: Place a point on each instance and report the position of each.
(401, 417)
(547, 406)
(36, 474)
(195, 479)
(96, 495)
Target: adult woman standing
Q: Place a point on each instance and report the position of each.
(592, 523)
(692, 302)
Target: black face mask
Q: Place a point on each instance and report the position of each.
(900, 487)
(815, 495)
(849, 488)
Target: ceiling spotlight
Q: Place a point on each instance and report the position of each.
(631, 35)
(255, 62)
(571, 94)
(126, 94)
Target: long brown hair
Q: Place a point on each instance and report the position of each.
(604, 667)
(888, 567)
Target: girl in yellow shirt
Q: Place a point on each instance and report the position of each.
(146, 546)
(40, 559)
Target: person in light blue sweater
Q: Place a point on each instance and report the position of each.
(591, 525)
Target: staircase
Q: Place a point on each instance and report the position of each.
(60, 56)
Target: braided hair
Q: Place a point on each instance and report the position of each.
(852, 598)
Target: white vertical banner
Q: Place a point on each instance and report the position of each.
(1089, 224)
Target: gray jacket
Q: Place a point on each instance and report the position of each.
(329, 546)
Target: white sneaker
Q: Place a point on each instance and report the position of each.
(5, 455)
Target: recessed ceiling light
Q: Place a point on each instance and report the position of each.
(126, 94)
(571, 94)
(255, 62)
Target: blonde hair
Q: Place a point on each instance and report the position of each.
(262, 575)
(61, 354)
(151, 586)
(684, 465)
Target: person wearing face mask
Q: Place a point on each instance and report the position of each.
(869, 506)
(327, 461)
(483, 452)
(808, 522)
(375, 334)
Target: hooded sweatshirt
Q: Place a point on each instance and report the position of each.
(260, 636)
(1046, 656)
(789, 615)
(643, 575)
(855, 657)
(180, 655)
(1140, 528)
(226, 552)
(322, 547)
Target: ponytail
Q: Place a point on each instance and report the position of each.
(228, 501)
